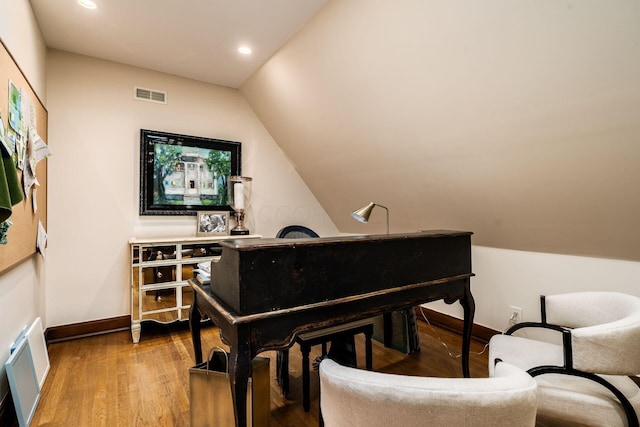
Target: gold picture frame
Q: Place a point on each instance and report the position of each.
(212, 223)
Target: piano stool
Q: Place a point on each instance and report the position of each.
(322, 336)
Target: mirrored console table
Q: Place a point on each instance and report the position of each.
(160, 270)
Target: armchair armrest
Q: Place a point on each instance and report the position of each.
(542, 325)
(567, 350)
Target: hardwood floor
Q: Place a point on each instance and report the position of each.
(107, 380)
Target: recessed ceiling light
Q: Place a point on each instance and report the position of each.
(89, 4)
(244, 50)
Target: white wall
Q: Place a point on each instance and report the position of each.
(505, 278)
(93, 194)
(21, 288)
(94, 127)
(515, 120)
(20, 32)
(93, 199)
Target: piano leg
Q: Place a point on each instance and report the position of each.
(195, 326)
(240, 371)
(282, 371)
(469, 307)
(368, 333)
(306, 378)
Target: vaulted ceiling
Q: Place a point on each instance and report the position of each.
(519, 121)
(197, 39)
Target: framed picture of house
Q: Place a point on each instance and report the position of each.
(183, 174)
(212, 223)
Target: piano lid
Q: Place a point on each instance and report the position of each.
(261, 243)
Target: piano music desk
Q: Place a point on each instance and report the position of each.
(265, 291)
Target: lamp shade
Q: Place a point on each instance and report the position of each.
(364, 213)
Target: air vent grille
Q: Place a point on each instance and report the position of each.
(150, 95)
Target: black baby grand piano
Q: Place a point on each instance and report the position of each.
(264, 291)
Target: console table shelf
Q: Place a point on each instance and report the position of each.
(160, 270)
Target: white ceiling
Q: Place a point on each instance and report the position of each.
(197, 39)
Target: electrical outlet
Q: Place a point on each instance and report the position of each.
(515, 315)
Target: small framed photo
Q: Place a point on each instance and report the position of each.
(212, 223)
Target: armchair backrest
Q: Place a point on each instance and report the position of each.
(606, 330)
(296, 232)
(355, 397)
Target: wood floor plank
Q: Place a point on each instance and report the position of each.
(107, 380)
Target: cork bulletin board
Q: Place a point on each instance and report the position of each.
(21, 237)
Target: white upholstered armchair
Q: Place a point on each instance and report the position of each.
(583, 379)
(352, 397)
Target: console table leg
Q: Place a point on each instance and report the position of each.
(135, 332)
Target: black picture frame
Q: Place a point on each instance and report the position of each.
(183, 174)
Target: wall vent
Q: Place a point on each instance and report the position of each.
(150, 95)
